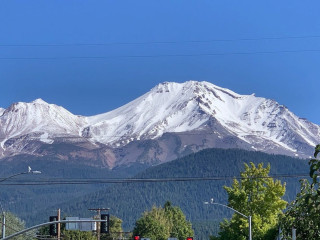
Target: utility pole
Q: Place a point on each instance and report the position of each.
(294, 234)
(4, 225)
(59, 226)
(98, 210)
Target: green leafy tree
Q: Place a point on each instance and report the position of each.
(115, 229)
(162, 223)
(153, 224)
(13, 225)
(315, 169)
(77, 235)
(304, 212)
(179, 226)
(44, 231)
(256, 195)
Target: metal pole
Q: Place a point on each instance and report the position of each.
(250, 228)
(98, 224)
(4, 225)
(4, 179)
(229, 208)
(4, 216)
(48, 223)
(279, 234)
(294, 234)
(248, 217)
(59, 228)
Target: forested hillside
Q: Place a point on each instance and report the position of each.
(128, 200)
(26, 194)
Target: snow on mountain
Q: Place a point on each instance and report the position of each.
(183, 107)
(190, 107)
(169, 107)
(39, 120)
(1, 111)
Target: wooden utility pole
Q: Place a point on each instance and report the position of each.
(98, 210)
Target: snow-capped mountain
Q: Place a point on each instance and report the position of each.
(170, 120)
(39, 117)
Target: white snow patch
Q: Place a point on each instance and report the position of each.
(45, 138)
(2, 143)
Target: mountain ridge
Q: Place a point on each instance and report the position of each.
(197, 115)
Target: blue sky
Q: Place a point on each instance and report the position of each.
(92, 56)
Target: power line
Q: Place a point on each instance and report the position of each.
(146, 180)
(160, 42)
(160, 55)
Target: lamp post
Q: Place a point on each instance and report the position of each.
(247, 217)
(30, 171)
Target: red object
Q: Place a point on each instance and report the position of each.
(136, 238)
(189, 238)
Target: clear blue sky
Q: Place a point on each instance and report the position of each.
(91, 56)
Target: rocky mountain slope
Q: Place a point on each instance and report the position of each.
(169, 121)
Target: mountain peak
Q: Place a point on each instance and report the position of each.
(200, 87)
(25, 105)
(39, 101)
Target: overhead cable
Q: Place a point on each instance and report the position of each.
(143, 180)
(160, 42)
(160, 55)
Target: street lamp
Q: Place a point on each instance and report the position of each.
(247, 217)
(30, 171)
